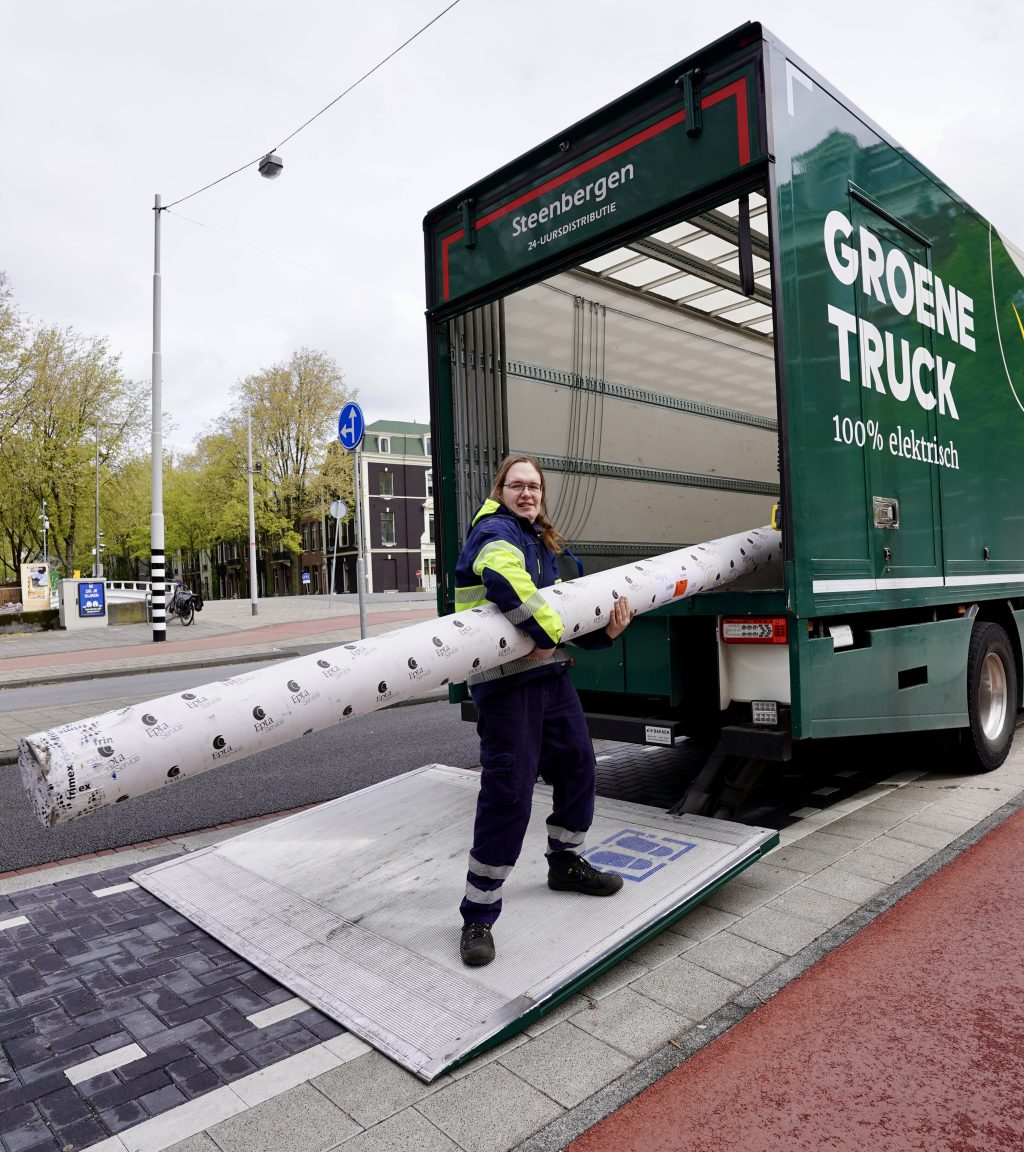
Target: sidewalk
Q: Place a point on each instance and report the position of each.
(225, 632)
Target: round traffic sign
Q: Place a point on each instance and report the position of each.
(351, 426)
(339, 509)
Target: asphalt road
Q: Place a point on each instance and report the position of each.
(104, 689)
(320, 767)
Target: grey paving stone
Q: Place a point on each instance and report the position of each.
(820, 907)
(739, 898)
(836, 881)
(769, 875)
(301, 1118)
(567, 1064)
(939, 817)
(702, 922)
(866, 823)
(81, 1134)
(658, 950)
(903, 801)
(372, 1087)
(800, 858)
(915, 832)
(894, 848)
(631, 1022)
(162, 1100)
(25, 1131)
(777, 930)
(489, 1111)
(822, 843)
(123, 1116)
(867, 862)
(691, 991)
(200, 1143)
(734, 958)
(407, 1132)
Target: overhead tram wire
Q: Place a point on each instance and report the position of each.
(353, 85)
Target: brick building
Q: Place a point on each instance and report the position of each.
(397, 497)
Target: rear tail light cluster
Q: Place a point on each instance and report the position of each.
(754, 630)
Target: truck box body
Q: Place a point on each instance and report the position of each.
(729, 290)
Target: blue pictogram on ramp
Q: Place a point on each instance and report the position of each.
(637, 855)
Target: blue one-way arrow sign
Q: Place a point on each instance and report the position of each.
(351, 426)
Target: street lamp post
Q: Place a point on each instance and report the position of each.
(46, 528)
(156, 520)
(97, 568)
(270, 167)
(253, 581)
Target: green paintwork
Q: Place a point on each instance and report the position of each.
(848, 686)
(830, 159)
(846, 444)
(641, 162)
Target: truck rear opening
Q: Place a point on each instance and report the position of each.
(644, 382)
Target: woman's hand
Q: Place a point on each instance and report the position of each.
(618, 620)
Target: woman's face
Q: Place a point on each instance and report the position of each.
(522, 492)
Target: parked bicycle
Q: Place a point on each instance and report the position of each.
(184, 604)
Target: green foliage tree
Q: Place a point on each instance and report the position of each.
(124, 515)
(295, 409)
(59, 391)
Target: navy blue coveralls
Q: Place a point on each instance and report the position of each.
(530, 720)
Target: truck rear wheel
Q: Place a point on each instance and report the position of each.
(991, 697)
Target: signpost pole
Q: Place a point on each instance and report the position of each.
(339, 510)
(253, 578)
(350, 433)
(360, 559)
(334, 562)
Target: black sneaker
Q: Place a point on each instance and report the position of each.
(582, 876)
(477, 946)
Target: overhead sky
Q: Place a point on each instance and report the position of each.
(108, 102)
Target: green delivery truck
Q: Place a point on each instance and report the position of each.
(730, 296)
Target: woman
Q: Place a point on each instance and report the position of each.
(530, 720)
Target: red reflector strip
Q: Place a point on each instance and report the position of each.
(754, 630)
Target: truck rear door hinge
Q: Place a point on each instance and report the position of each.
(469, 223)
(690, 84)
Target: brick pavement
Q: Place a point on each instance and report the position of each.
(87, 975)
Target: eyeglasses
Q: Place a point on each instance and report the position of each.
(518, 487)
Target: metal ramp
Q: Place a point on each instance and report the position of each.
(353, 905)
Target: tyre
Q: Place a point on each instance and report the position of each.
(187, 613)
(991, 697)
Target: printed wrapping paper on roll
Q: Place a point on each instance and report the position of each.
(90, 764)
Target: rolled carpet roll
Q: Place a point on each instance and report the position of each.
(90, 764)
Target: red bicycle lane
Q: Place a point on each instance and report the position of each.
(908, 1036)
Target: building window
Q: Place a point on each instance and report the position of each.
(383, 444)
(387, 529)
(430, 483)
(430, 527)
(426, 445)
(387, 484)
